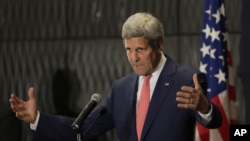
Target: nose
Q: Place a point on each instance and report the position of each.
(134, 56)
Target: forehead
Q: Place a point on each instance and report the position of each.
(135, 42)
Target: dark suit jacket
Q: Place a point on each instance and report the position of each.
(164, 121)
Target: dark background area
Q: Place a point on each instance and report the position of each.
(71, 49)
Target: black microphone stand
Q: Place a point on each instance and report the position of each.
(78, 129)
(102, 112)
(79, 133)
(79, 136)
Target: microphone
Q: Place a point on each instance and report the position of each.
(102, 112)
(95, 99)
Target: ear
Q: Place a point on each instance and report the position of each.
(159, 44)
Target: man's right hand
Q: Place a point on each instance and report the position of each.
(25, 110)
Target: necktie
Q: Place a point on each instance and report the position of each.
(143, 106)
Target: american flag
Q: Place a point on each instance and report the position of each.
(216, 63)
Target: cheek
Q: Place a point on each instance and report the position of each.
(129, 58)
(154, 61)
(150, 63)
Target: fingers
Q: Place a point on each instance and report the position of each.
(185, 95)
(16, 107)
(196, 81)
(14, 103)
(186, 102)
(15, 99)
(186, 106)
(25, 110)
(31, 93)
(185, 99)
(18, 104)
(190, 97)
(21, 115)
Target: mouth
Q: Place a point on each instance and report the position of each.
(138, 66)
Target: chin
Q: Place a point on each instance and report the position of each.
(139, 73)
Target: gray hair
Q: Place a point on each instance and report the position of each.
(143, 24)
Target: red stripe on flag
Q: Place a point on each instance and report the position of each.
(224, 129)
(231, 92)
(233, 122)
(203, 132)
(229, 57)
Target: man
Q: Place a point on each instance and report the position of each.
(176, 94)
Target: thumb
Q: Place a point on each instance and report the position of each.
(31, 93)
(196, 82)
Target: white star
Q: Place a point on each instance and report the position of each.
(212, 51)
(207, 31)
(215, 35)
(209, 12)
(217, 16)
(205, 50)
(225, 35)
(221, 76)
(209, 90)
(222, 10)
(203, 67)
(222, 59)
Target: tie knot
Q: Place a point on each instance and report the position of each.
(147, 77)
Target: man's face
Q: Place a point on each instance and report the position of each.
(141, 56)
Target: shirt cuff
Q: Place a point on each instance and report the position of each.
(34, 126)
(207, 117)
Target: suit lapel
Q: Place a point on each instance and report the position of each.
(129, 132)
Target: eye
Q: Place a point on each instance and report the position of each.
(128, 50)
(140, 50)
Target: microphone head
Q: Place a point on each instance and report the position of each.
(96, 97)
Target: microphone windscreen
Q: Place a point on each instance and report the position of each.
(96, 97)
